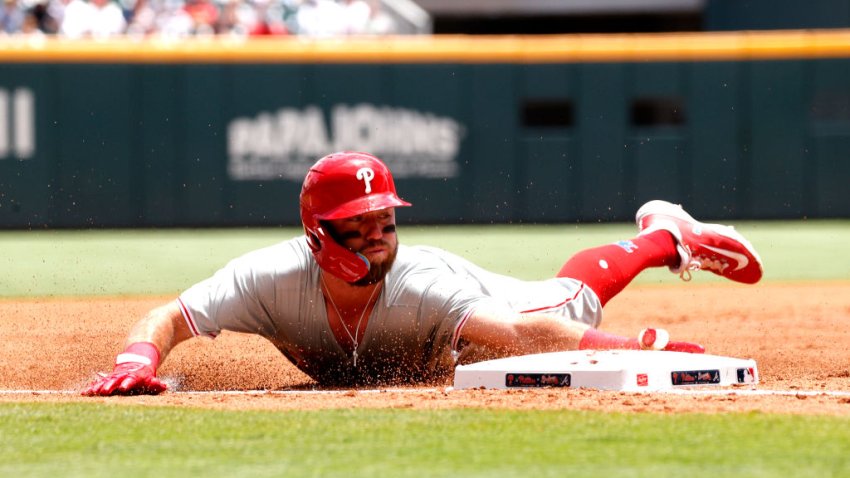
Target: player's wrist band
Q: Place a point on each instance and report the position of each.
(140, 352)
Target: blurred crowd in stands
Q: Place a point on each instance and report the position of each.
(182, 18)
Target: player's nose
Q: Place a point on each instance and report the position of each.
(372, 230)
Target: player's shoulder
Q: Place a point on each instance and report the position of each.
(423, 258)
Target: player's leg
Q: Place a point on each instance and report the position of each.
(670, 237)
(608, 269)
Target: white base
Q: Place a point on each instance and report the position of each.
(627, 370)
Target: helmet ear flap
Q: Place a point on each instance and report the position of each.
(336, 259)
(313, 240)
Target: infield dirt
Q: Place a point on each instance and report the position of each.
(798, 334)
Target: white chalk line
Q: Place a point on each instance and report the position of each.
(354, 392)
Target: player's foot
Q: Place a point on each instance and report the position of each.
(713, 247)
(659, 339)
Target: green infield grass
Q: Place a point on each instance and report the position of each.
(79, 440)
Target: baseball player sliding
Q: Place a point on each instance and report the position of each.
(348, 305)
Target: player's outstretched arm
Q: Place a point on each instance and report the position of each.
(147, 344)
(504, 334)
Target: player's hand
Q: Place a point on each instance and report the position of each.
(134, 373)
(659, 339)
(128, 379)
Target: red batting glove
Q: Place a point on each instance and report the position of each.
(134, 373)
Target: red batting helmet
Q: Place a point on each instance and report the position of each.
(341, 185)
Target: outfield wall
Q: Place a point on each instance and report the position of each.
(501, 129)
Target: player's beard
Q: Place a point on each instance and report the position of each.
(378, 270)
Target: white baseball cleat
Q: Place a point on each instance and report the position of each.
(713, 247)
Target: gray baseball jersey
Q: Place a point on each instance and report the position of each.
(412, 332)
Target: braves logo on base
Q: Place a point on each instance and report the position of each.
(537, 380)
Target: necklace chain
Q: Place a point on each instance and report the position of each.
(355, 338)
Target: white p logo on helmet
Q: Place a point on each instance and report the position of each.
(366, 175)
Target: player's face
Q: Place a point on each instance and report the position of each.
(372, 234)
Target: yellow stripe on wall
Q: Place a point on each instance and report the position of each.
(710, 46)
